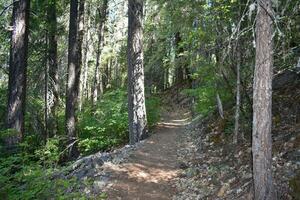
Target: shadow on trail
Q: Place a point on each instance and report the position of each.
(150, 171)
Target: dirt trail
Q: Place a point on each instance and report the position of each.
(149, 172)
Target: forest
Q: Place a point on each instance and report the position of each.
(150, 99)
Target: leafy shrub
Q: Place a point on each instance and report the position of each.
(153, 110)
(20, 178)
(106, 125)
(205, 93)
(50, 153)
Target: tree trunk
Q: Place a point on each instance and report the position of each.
(179, 69)
(136, 93)
(262, 105)
(46, 97)
(98, 87)
(238, 95)
(53, 66)
(18, 68)
(220, 106)
(73, 68)
(84, 77)
(80, 42)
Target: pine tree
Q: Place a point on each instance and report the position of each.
(18, 67)
(262, 104)
(136, 94)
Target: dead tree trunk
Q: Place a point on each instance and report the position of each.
(262, 104)
(136, 93)
(18, 68)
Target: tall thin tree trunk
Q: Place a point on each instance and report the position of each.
(136, 90)
(18, 68)
(262, 104)
(53, 65)
(220, 106)
(80, 42)
(98, 87)
(179, 69)
(46, 97)
(238, 95)
(72, 72)
(84, 78)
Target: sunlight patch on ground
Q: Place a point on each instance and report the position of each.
(142, 173)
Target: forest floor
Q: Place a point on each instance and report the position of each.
(151, 170)
(195, 159)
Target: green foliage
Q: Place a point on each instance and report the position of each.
(50, 153)
(20, 178)
(106, 125)
(153, 110)
(206, 91)
(3, 102)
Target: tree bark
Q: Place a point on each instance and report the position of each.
(98, 87)
(73, 68)
(18, 67)
(238, 95)
(46, 97)
(53, 65)
(136, 93)
(81, 23)
(84, 77)
(262, 104)
(179, 69)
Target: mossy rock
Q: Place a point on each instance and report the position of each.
(294, 184)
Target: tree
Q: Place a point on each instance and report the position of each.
(80, 38)
(98, 87)
(18, 67)
(262, 104)
(53, 66)
(84, 74)
(73, 68)
(136, 93)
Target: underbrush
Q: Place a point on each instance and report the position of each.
(104, 126)
(31, 170)
(32, 176)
